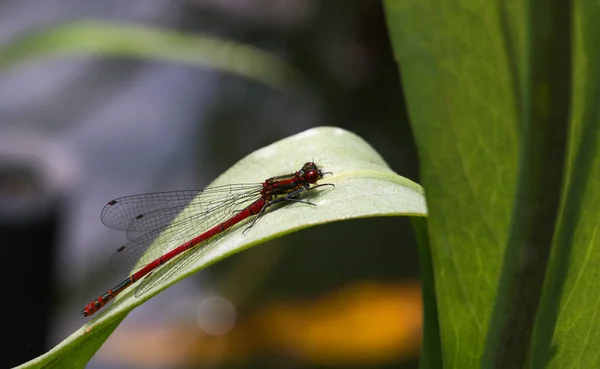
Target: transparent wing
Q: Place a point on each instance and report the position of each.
(170, 218)
(173, 267)
(151, 210)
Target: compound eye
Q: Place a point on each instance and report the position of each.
(312, 176)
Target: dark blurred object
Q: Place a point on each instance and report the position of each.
(30, 180)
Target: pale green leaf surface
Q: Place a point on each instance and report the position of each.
(365, 187)
(108, 39)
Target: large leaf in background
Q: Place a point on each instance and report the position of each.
(112, 39)
(460, 103)
(567, 329)
(365, 187)
(462, 79)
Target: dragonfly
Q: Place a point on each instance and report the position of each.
(178, 222)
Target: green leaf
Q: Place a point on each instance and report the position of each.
(104, 39)
(365, 187)
(468, 86)
(545, 122)
(461, 105)
(567, 330)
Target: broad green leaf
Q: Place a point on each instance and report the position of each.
(108, 39)
(364, 187)
(545, 118)
(568, 326)
(461, 106)
(463, 70)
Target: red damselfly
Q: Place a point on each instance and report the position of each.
(169, 217)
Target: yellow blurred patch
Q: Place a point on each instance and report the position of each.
(362, 324)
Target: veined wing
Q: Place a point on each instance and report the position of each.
(172, 222)
(154, 211)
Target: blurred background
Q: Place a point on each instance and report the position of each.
(79, 130)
